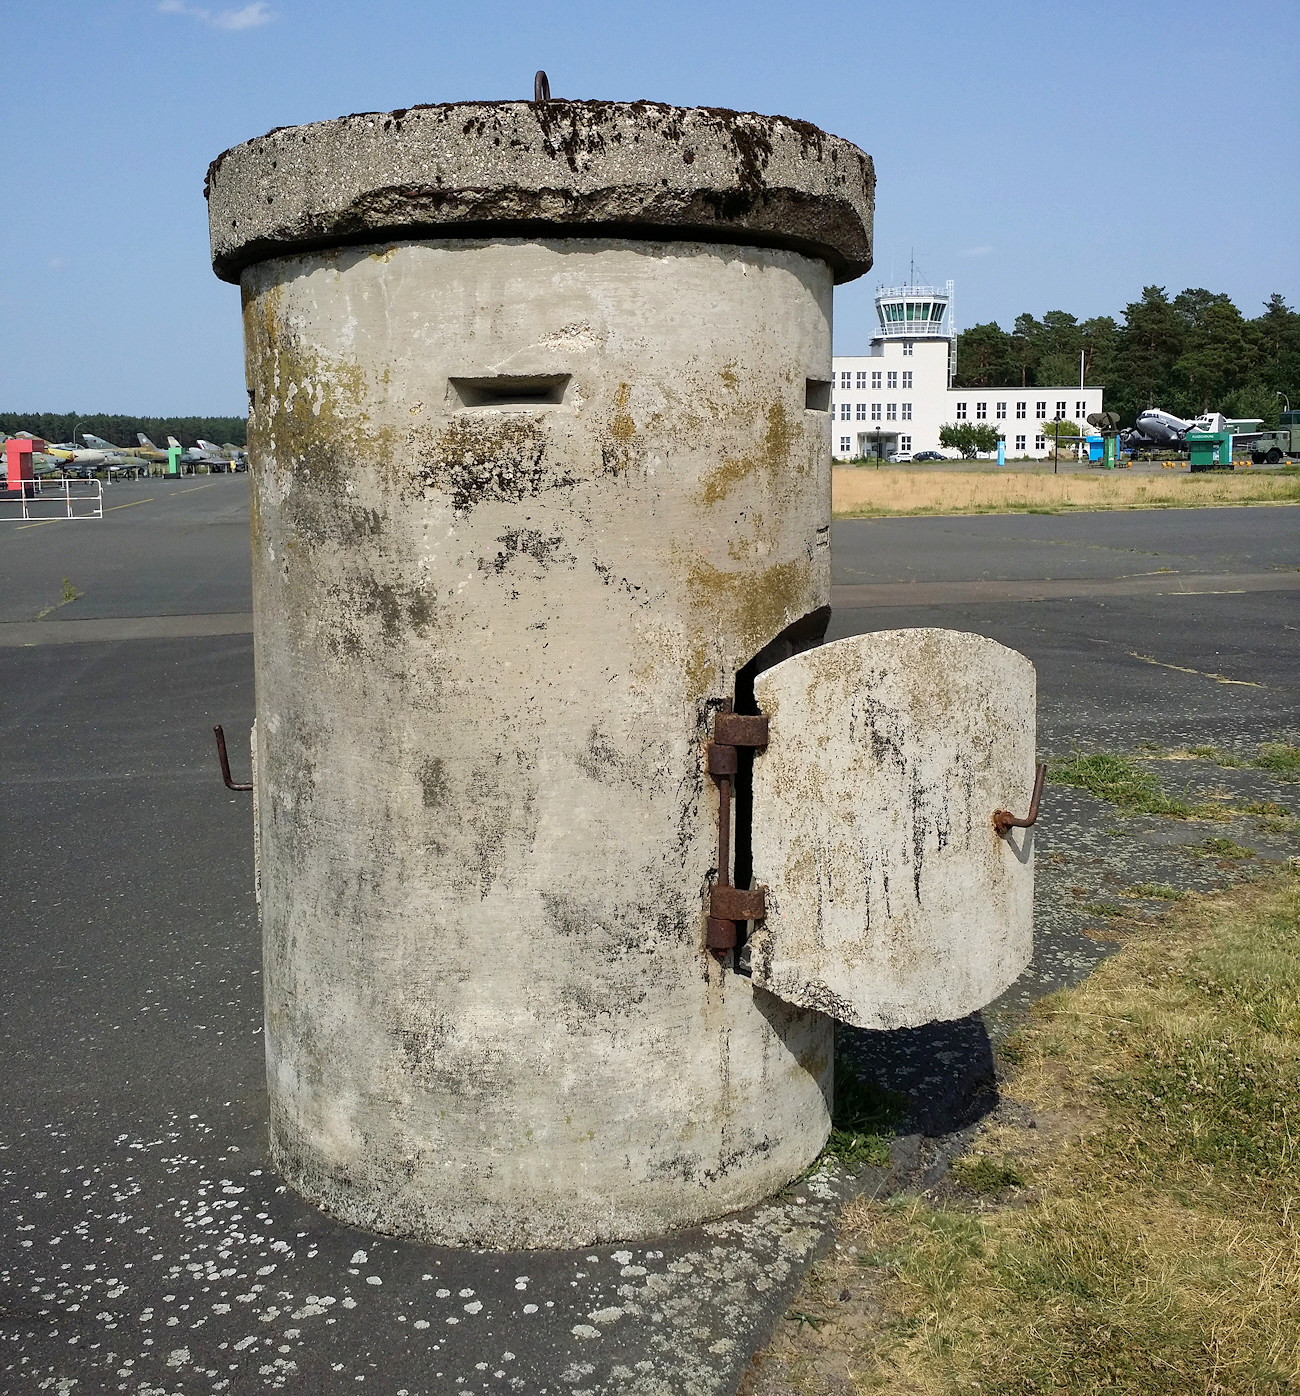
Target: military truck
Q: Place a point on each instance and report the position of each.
(1275, 446)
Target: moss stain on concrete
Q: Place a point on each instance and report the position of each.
(773, 456)
(752, 607)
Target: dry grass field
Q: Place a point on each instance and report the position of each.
(857, 492)
(1125, 1222)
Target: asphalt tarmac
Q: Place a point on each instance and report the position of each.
(145, 1244)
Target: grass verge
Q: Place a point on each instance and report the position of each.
(1130, 1224)
(1134, 789)
(878, 493)
(1127, 786)
(1279, 758)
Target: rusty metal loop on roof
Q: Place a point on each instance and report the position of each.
(541, 87)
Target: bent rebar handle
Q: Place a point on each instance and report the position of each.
(220, 735)
(1004, 820)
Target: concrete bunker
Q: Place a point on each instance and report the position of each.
(539, 444)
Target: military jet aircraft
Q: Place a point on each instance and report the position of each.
(84, 461)
(42, 464)
(70, 453)
(216, 458)
(145, 451)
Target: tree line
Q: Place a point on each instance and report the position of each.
(121, 431)
(1192, 353)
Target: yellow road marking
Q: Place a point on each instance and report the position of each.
(1200, 673)
(192, 488)
(130, 505)
(38, 523)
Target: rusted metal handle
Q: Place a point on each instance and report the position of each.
(1004, 820)
(220, 735)
(541, 87)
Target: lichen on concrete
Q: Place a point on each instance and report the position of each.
(488, 638)
(632, 169)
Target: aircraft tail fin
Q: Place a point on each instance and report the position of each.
(144, 440)
(172, 441)
(97, 442)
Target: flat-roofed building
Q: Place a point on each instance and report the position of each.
(895, 398)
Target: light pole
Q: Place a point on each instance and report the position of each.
(1056, 442)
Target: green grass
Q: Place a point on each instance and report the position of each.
(1157, 1250)
(1126, 785)
(1281, 758)
(69, 594)
(1133, 789)
(986, 1175)
(864, 1120)
(1225, 848)
(1217, 755)
(1153, 891)
(1107, 909)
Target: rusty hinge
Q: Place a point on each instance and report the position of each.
(728, 904)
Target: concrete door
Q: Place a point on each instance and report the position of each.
(891, 899)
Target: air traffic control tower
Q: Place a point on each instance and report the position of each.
(918, 312)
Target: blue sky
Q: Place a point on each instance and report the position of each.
(1048, 155)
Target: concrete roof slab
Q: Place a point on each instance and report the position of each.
(529, 169)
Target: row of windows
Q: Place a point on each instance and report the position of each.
(1040, 410)
(893, 311)
(904, 443)
(861, 376)
(891, 411)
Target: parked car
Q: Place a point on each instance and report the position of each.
(929, 455)
(899, 457)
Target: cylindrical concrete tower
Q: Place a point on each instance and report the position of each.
(539, 402)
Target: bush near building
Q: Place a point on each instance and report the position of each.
(970, 438)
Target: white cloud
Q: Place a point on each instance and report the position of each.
(975, 252)
(252, 16)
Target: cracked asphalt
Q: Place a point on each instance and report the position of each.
(147, 1247)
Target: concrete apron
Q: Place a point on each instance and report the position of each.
(522, 509)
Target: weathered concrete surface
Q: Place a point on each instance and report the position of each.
(891, 901)
(641, 169)
(488, 642)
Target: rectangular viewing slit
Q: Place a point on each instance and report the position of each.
(511, 390)
(817, 395)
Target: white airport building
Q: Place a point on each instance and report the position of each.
(892, 400)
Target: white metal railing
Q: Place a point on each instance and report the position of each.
(912, 292)
(914, 329)
(53, 497)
